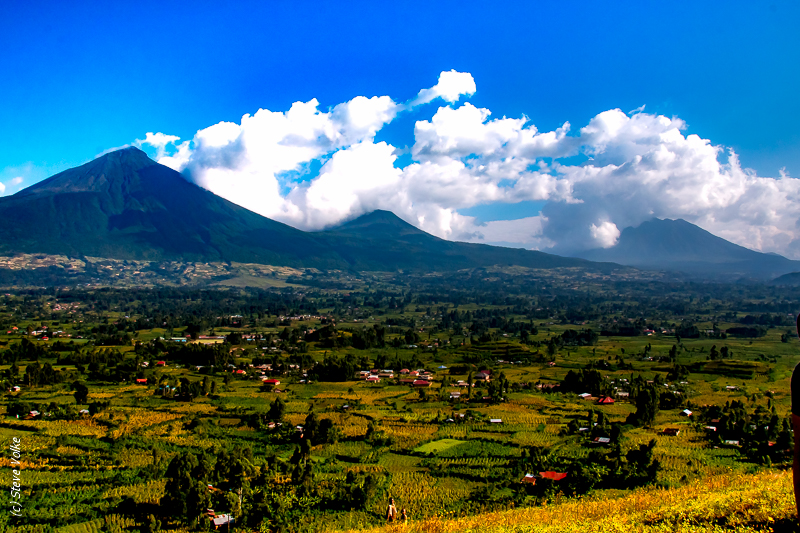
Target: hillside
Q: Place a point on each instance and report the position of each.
(680, 245)
(728, 503)
(791, 279)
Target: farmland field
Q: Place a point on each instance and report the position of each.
(131, 419)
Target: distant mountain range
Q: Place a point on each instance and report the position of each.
(682, 246)
(124, 205)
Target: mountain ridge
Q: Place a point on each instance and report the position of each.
(123, 205)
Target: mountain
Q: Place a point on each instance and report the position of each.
(682, 246)
(372, 240)
(124, 205)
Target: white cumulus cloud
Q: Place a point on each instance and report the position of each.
(451, 86)
(314, 168)
(159, 141)
(606, 234)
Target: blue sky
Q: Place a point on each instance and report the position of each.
(80, 79)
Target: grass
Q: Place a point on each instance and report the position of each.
(438, 446)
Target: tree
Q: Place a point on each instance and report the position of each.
(713, 353)
(186, 491)
(276, 409)
(81, 392)
(646, 406)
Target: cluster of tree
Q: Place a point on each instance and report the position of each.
(82, 357)
(601, 469)
(24, 350)
(747, 331)
(588, 381)
(37, 375)
(763, 435)
(338, 368)
(767, 319)
(579, 338)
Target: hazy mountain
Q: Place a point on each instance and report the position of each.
(123, 205)
(680, 245)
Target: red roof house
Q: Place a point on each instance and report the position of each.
(555, 476)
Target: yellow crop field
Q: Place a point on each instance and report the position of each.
(726, 503)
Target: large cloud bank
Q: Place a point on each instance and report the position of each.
(616, 171)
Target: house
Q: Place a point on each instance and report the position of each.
(686, 412)
(271, 382)
(386, 374)
(555, 476)
(373, 379)
(584, 395)
(15, 388)
(672, 432)
(141, 381)
(413, 373)
(421, 383)
(529, 478)
(407, 381)
(731, 442)
(602, 441)
(241, 372)
(222, 520)
(482, 376)
(495, 420)
(551, 363)
(711, 428)
(605, 400)
(161, 363)
(404, 371)
(623, 394)
(455, 395)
